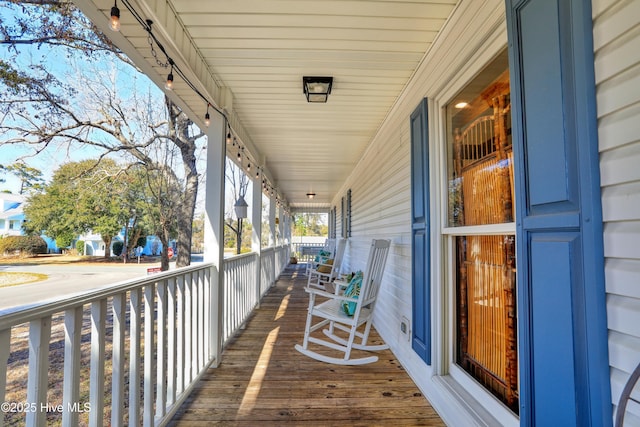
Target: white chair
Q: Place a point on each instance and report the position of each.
(329, 245)
(332, 314)
(324, 272)
(328, 248)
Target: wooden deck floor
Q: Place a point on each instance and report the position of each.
(264, 381)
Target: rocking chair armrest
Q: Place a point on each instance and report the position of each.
(330, 295)
(320, 292)
(340, 285)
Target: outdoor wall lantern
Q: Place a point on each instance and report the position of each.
(317, 89)
(241, 208)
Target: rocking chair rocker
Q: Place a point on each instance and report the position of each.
(323, 273)
(332, 314)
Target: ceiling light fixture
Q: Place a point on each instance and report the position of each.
(311, 195)
(461, 104)
(317, 89)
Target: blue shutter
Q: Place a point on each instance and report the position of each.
(561, 296)
(421, 339)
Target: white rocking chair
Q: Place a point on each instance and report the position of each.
(332, 314)
(323, 273)
(329, 247)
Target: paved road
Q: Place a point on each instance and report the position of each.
(65, 280)
(69, 279)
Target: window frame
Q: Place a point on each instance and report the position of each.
(445, 336)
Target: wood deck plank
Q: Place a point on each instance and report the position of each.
(263, 380)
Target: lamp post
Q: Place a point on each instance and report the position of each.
(241, 213)
(130, 224)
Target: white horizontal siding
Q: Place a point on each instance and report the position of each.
(616, 31)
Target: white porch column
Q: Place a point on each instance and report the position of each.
(287, 228)
(214, 228)
(272, 221)
(280, 226)
(256, 235)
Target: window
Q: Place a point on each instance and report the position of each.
(348, 219)
(2, 224)
(14, 224)
(343, 219)
(333, 214)
(481, 231)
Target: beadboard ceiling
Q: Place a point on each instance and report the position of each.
(249, 57)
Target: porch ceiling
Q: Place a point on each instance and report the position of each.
(249, 57)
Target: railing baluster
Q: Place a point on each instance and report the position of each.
(171, 341)
(117, 376)
(215, 332)
(71, 385)
(201, 335)
(225, 304)
(180, 347)
(194, 325)
(96, 380)
(206, 301)
(5, 350)
(134, 357)
(188, 320)
(39, 337)
(149, 365)
(161, 372)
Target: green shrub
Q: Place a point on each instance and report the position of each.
(80, 247)
(23, 245)
(64, 240)
(117, 248)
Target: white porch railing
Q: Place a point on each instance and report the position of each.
(127, 354)
(282, 258)
(299, 248)
(240, 291)
(267, 269)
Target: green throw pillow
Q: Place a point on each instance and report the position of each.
(322, 256)
(353, 291)
(325, 267)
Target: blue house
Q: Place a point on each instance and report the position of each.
(12, 218)
(11, 215)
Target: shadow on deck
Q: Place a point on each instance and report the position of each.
(263, 381)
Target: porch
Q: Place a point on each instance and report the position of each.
(262, 380)
(191, 347)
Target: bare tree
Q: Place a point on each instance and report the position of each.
(41, 109)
